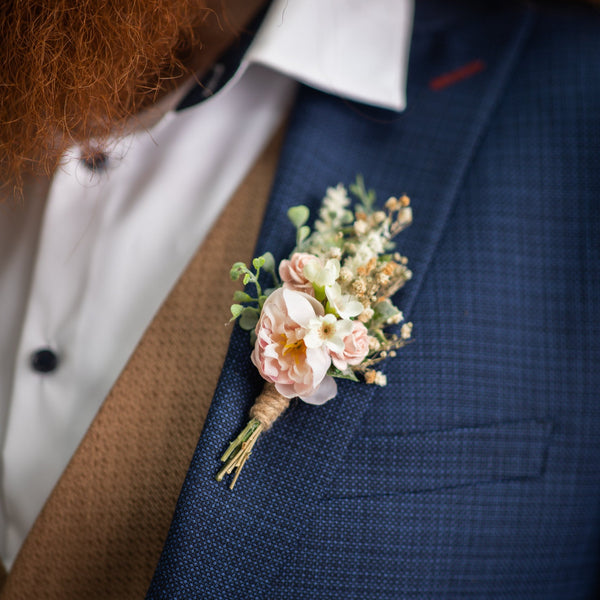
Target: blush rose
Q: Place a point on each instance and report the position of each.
(280, 353)
(292, 272)
(356, 347)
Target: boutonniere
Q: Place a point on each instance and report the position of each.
(326, 312)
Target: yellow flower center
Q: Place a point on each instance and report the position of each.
(297, 349)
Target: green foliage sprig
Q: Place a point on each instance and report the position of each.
(247, 308)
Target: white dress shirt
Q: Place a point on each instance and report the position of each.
(89, 257)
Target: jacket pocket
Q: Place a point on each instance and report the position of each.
(434, 460)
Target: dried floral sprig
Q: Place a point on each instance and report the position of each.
(326, 314)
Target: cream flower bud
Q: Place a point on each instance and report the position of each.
(366, 315)
(380, 379)
(346, 274)
(361, 227)
(374, 344)
(405, 216)
(395, 319)
(335, 252)
(391, 203)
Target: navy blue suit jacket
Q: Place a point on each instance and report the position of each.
(475, 472)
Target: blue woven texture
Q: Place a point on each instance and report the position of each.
(476, 472)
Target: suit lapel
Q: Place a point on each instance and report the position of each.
(234, 544)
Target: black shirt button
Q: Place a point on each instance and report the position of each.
(44, 360)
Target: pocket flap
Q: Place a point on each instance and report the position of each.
(427, 461)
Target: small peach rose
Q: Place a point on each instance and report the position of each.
(292, 272)
(280, 354)
(356, 347)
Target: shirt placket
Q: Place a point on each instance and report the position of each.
(38, 420)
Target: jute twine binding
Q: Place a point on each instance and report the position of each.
(269, 406)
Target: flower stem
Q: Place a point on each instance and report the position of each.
(267, 408)
(239, 451)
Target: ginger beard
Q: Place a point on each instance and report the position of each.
(75, 70)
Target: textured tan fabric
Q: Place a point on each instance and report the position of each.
(101, 531)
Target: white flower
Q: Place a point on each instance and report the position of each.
(406, 331)
(362, 256)
(336, 199)
(375, 242)
(333, 211)
(345, 305)
(322, 275)
(327, 331)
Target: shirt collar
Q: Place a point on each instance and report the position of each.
(351, 48)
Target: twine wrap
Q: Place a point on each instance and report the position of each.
(269, 406)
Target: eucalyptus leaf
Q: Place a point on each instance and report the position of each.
(347, 374)
(239, 296)
(269, 261)
(298, 215)
(385, 310)
(236, 270)
(247, 278)
(303, 233)
(236, 310)
(257, 263)
(347, 217)
(249, 318)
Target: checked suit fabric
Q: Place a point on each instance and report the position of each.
(474, 472)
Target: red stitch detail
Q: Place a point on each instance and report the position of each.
(460, 74)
